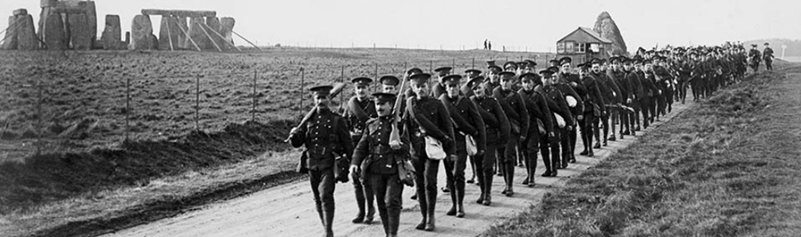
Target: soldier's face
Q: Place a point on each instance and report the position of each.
(596, 68)
(361, 91)
(616, 66)
(421, 89)
(494, 78)
(453, 90)
(389, 89)
(506, 83)
(527, 83)
(480, 89)
(566, 67)
(627, 66)
(321, 101)
(384, 108)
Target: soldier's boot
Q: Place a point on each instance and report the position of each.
(385, 220)
(452, 211)
(329, 223)
(394, 222)
(460, 199)
(510, 173)
(487, 182)
(424, 211)
(320, 213)
(370, 214)
(430, 224)
(370, 201)
(360, 202)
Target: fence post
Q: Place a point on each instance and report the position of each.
(430, 66)
(253, 112)
(473, 65)
(302, 81)
(453, 65)
(127, 107)
(342, 79)
(39, 117)
(375, 83)
(197, 102)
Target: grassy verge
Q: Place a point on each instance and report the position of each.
(94, 191)
(730, 167)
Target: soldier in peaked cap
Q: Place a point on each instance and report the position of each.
(426, 117)
(358, 110)
(754, 57)
(472, 73)
(540, 125)
(573, 90)
(510, 66)
(325, 136)
(553, 63)
(531, 66)
(491, 63)
(593, 107)
(389, 84)
(493, 77)
(439, 87)
(515, 109)
(377, 158)
(767, 55)
(468, 126)
(497, 134)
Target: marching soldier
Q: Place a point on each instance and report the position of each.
(755, 56)
(497, 134)
(516, 112)
(324, 136)
(360, 108)
(611, 81)
(467, 124)
(389, 84)
(439, 87)
(425, 116)
(570, 84)
(618, 74)
(767, 54)
(562, 122)
(598, 74)
(540, 125)
(593, 107)
(633, 80)
(378, 159)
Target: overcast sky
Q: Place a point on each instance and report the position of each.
(454, 24)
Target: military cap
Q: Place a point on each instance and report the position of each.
(495, 68)
(506, 74)
(452, 79)
(546, 72)
(322, 90)
(603, 61)
(443, 69)
(583, 66)
(564, 60)
(553, 69)
(420, 78)
(596, 61)
(509, 64)
(648, 61)
(766, 43)
(389, 80)
(414, 70)
(530, 63)
(624, 59)
(361, 81)
(381, 97)
(490, 62)
(753, 45)
(471, 71)
(613, 59)
(528, 75)
(475, 81)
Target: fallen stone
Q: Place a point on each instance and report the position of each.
(110, 39)
(20, 12)
(607, 28)
(26, 34)
(10, 39)
(169, 34)
(80, 32)
(141, 32)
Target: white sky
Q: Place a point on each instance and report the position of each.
(453, 24)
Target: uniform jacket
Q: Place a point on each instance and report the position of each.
(515, 109)
(537, 105)
(357, 113)
(495, 120)
(557, 104)
(375, 150)
(324, 137)
(466, 120)
(427, 116)
(594, 96)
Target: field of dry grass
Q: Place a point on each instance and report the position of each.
(728, 168)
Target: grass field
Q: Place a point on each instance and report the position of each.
(728, 168)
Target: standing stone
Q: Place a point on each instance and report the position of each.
(80, 34)
(182, 39)
(47, 3)
(141, 32)
(127, 38)
(607, 28)
(26, 34)
(91, 19)
(10, 40)
(54, 35)
(110, 39)
(214, 24)
(169, 34)
(197, 34)
(227, 29)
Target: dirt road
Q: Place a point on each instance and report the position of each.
(288, 210)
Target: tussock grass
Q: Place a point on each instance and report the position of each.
(730, 167)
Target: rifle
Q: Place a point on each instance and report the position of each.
(334, 92)
(394, 136)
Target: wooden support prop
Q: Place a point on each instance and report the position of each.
(221, 36)
(187, 34)
(179, 13)
(169, 34)
(246, 40)
(12, 27)
(209, 36)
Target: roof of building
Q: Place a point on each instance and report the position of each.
(584, 34)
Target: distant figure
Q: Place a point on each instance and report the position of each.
(485, 44)
(755, 56)
(767, 55)
(489, 45)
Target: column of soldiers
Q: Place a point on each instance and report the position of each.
(492, 123)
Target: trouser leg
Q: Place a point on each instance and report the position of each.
(379, 184)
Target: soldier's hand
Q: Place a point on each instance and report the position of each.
(580, 117)
(452, 157)
(522, 137)
(573, 84)
(569, 128)
(551, 134)
(354, 169)
(395, 145)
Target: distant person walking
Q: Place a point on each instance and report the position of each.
(489, 45)
(485, 44)
(767, 55)
(755, 56)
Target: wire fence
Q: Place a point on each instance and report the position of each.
(77, 112)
